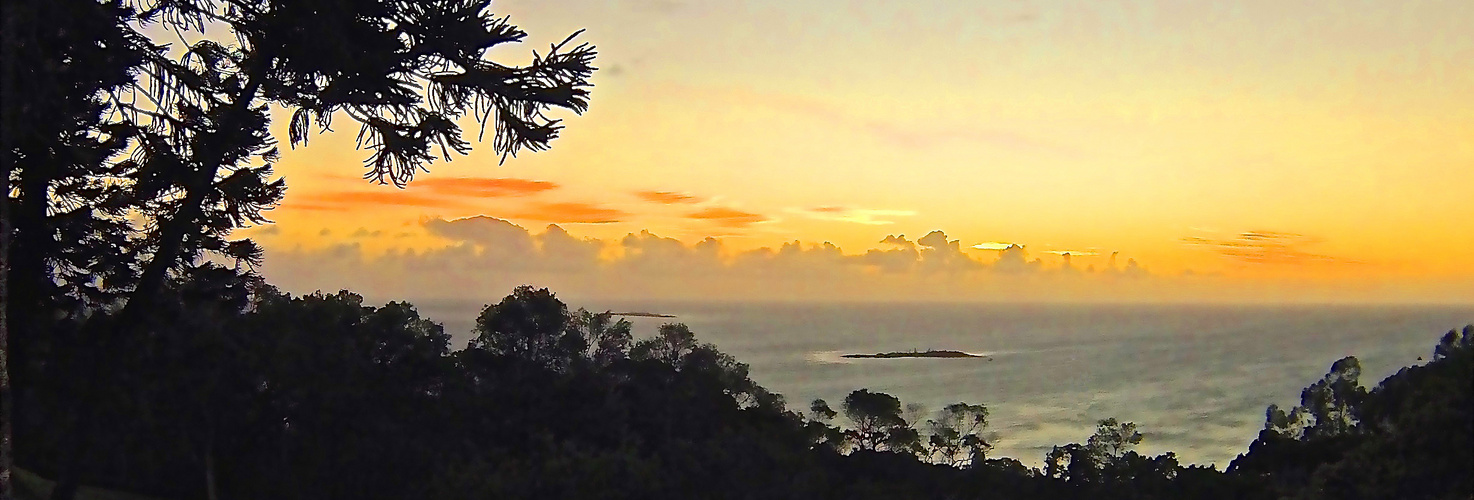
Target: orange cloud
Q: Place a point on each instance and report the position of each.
(1266, 247)
(728, 217)
(570, 212)
(315, 207)
(666, 197)
(481, 187)
(345, 200)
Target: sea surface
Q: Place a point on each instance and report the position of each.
(1196, 379)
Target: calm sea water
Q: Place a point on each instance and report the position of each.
(1196, 379)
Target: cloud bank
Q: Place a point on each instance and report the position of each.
(484, 257)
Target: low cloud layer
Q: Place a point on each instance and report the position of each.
(483, 257)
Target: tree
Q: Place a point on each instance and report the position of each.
(819, 429)
(672, 342)
(1453, 341)
(1113, 438)
(956, 438)
(1087, 463)
(1327, 408)
(877, 417)
(1407, 438)
(532, 325)
(193, 121)
(607, 340)
(57, 216)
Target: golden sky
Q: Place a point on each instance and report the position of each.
(1263, 150)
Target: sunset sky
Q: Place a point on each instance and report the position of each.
(1259, 150)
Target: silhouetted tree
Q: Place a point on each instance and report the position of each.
(1407, 438)
(193, 121)
(877, 418)
(1327, 408)
(608, 340)
(532, 325)
(1087, 463)
(820, 430)
(1113, 438)
(673, 342)
(956, 434)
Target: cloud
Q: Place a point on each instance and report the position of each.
(347, 200)
(995, 245)
(898, 240)
(666, 197)
(480, 187)
(856, 215)
(453, 192)
(1266, 247)
(292, 205)
(488, 232)
(570, 213)
(485, 256)
(727, 217)
(365, 233)
(1015, 260)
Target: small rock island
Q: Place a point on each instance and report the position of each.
(643, 314)
(916, 354)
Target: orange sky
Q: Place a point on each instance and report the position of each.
(1269, 151)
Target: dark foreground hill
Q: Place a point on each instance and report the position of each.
(242, 392)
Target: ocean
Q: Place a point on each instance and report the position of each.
(1196, 379)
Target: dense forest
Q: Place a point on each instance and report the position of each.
(241, 391)
(144, 357)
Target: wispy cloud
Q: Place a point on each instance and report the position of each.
(867, 216)
(667, 197)
(1266, 247)
(729, 217)
(453, 192)
(346, 200)
(569, 212)
(995, 245)
(482, 187)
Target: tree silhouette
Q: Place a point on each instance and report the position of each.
(1113, 438)
(146, 156)
(877, 418)
(956, 437)
(1090, 463)
(673, 342)
(1327, 408)
(608, 340)
(531, 325)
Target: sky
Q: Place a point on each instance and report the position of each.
(928, 150)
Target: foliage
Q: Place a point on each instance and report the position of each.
(147, 143)
(243, 391)
(1406, 438)
(955, 434)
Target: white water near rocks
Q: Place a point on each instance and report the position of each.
(1195, 378)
